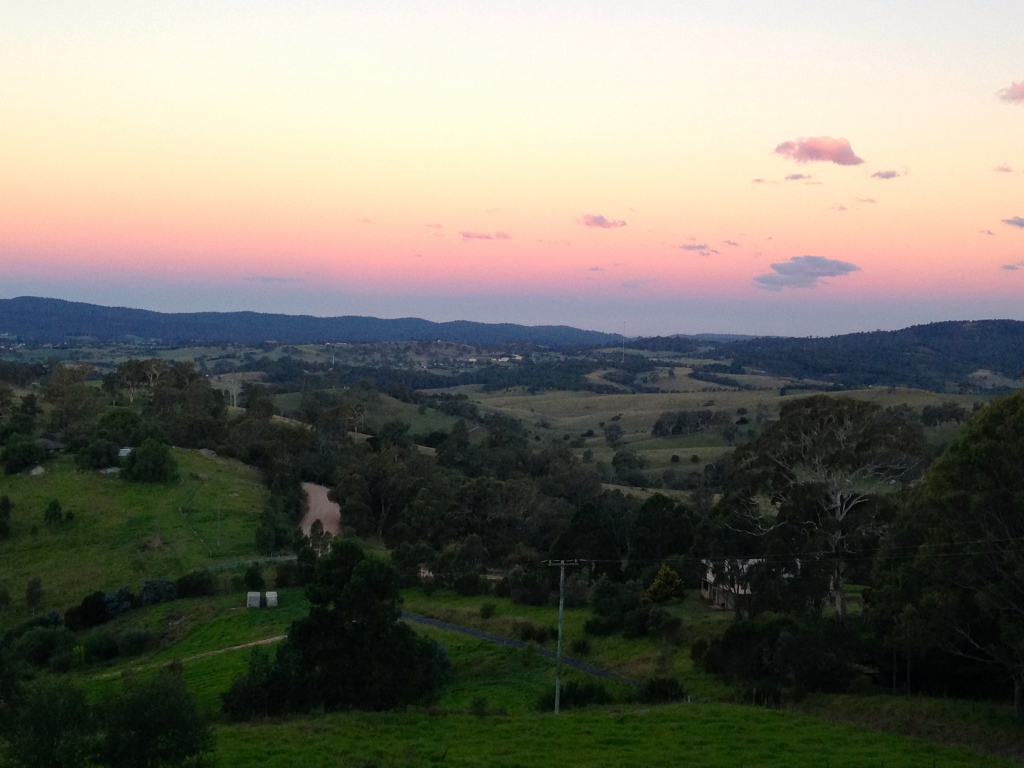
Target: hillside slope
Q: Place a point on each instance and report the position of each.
(123, 533)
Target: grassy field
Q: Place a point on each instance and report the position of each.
(558, 414)
(637, 658)
(124, 532)
(387, 409)
(981, 725)
(706, 735)
(204, 634)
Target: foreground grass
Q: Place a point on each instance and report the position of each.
(124, 532)
(985, 726)
(506, 683)
(707, 735)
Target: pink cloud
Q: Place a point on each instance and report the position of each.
(1004, 168)
(819, 149)
(434, 226)
(485, 236)
(886, 175)
(593, 220)
(1014, 94)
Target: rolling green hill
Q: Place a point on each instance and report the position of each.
(123, 532)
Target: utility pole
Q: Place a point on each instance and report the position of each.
(561, 564)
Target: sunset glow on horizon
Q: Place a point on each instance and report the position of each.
(788, 168)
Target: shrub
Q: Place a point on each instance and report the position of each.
(649, 620)
(98, 454)
(575, 695)
(196, 584)
(470, 584)
(487, 609)
(667, 586)
(659, 690)
(600, 626)
(118, 602)
(525, 630)
(100, 647)
(782, 651)
(253, 578)
(53, 515)
(39, 644)
(580, 646)
(22, 453)
(62, 661)
(91, 612)
(151, 462)
(132, 642)
(526, 586)
(285, 575)
(155, 591)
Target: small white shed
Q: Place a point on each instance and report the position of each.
(252, 600)
(271, 599)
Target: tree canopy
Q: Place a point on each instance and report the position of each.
(350, 652)
(951, 572)
(821, 468)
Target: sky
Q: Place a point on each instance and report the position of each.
(652, 167)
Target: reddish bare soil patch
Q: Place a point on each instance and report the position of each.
(320, 508)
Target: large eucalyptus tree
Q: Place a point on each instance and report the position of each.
(823, 468)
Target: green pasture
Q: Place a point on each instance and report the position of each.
(982, 725)
(636, 658)
(429, 420)
(705, 735)
(386, 409)
(509, 680)
(123, 533)
(204, 634)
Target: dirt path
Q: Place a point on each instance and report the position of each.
(320, 508)
(265, 641)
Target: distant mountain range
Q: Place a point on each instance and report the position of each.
(53, 320)
(938, 356)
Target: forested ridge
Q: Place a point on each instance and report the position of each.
(53, 320)
(936, 356)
